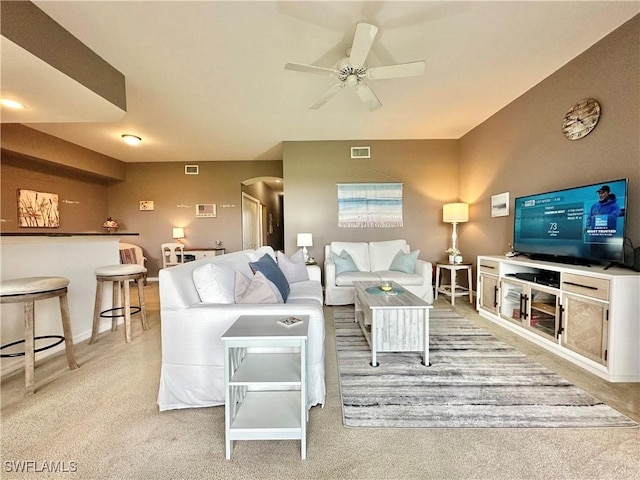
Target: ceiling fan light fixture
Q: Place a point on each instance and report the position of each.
(353, 70)
(130, 139)
(352, 80)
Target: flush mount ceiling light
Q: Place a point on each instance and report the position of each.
(131, 139)
(11, 104)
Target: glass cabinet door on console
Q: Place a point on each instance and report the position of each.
(544, 312)
(530, 306)
(512, 301)
(585, 326)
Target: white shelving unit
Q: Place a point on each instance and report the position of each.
(265, 381)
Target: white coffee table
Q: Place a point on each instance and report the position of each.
(396, 322)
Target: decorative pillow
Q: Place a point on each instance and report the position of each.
(294, 268)
(128, 255)
(344, 263)
(405, 262)
(255, 290)
(359, 252)
(270, 269)
(214, 283)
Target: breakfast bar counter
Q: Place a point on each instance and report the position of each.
(72, 255)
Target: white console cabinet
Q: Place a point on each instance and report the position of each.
(588, 315)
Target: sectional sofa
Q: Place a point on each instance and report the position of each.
(197, 306)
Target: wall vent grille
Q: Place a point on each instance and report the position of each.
(360, 152)
(191, 170)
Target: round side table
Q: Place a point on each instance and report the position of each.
(454, 290)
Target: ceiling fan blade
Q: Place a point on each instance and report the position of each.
(362, 41)
(411, 69)
(299, 67)
(367, 96)
(326, 96)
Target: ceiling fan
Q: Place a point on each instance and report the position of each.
(352, 70)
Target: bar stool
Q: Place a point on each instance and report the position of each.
(28, 291)
(120, 275)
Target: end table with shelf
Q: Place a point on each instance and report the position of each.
(265, 391)
(454, 290)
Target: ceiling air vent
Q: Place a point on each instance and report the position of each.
(360, 152)
(191, 170)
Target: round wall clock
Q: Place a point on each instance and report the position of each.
(581, 119)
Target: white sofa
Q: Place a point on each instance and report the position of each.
(373, 260)
(192, 373)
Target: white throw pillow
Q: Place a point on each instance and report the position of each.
(214, 283)
(294, 268)
(255, 290)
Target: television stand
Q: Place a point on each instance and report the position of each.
(589, 317)
(559, 259)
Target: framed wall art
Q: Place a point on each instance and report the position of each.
(500, 205)
(206, 210)
(38, 209)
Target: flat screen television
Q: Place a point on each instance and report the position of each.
(579, 225)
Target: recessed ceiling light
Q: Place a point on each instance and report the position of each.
(11, 104)
(131, 139)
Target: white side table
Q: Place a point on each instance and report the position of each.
(453, 290)
(265, 380)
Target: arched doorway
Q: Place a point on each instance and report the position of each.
(262, 212)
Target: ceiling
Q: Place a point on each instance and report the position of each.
(205, 80)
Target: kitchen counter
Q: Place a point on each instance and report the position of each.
(72, 255)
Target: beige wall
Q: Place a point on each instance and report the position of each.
(428, 170)
(82, 200)
(521, 149)
(175, 196)
(32, 143)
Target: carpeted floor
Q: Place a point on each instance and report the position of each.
(474, 380)
(102, 420)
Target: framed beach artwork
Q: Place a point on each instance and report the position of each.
(500, 205)
(38, 209)
(369, 205)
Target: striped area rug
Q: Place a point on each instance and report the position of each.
(475, 381)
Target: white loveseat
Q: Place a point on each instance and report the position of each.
(192, 373)
(373, 260)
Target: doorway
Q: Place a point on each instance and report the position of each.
(251, 222)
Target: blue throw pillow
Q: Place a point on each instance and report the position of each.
(405, 262)
(269, 268)
(344, 263)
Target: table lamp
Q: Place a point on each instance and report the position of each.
(455, 213)
(178, 233)
(305, 240)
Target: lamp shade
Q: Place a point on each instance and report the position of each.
(305, 240)
(178, 232)
(455, 212)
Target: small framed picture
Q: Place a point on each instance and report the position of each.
(500, 205)
(206, 210)
(146, 204)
